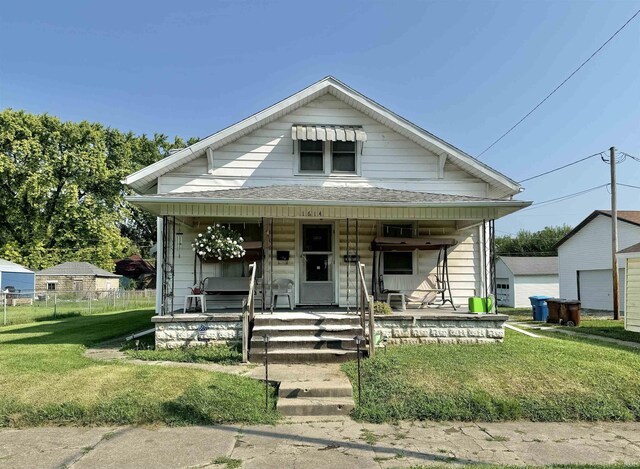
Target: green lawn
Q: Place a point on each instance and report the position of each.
(46, 379)
(70, 305)
(517, 314)
(606, 328)
(551, 379)
(223, 354)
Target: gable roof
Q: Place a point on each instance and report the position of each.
(629, 216)
(8, 266)
(531, 265)
(77, 268)
(146, 177)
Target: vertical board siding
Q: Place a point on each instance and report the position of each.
(632, 296)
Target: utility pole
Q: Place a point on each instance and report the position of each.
(614, 235)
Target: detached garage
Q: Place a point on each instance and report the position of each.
(584, 258)
(518, 278)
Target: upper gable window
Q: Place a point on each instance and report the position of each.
(311, 156)
(343, 157)
(327, 150)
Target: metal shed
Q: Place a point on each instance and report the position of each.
(18, 279)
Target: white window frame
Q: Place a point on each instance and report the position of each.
(327, 163)
(414, 253)
(54, 283)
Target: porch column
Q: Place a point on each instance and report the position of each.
(159, 269)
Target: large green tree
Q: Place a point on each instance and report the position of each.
(61, 196)
(532, 243)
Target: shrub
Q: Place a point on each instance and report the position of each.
(380, 307)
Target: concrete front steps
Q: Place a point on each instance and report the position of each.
(305, 337)
(315, 398)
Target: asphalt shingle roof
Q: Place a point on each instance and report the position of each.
(531, 265)
(329, 194)
(76, 268)
(634, 248)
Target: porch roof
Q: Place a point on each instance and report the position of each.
(297, 201)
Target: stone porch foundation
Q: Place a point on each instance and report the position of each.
(427, 328)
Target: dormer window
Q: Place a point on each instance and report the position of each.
(327, 150)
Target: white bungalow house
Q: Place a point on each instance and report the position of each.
(318, 183)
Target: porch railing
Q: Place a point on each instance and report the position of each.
(366, 309)
(248, 310)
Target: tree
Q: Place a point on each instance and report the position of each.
(527, 243)
(61, 195)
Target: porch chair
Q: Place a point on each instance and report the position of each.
(196, 294)
(282, 287)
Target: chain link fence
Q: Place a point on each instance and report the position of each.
(22, 307)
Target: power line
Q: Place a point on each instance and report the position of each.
(562, 167)
(544, 203)
(629, 185)
(559, 86)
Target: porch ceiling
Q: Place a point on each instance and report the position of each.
(327, 203)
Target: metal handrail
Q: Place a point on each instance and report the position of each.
(248, 310)
(366, 308)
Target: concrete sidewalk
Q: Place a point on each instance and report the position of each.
(321, 444)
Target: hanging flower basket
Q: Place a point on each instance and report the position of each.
(218, 243)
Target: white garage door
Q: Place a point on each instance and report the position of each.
(596, 288)
(503, 293)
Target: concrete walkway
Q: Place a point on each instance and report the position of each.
(321, 444)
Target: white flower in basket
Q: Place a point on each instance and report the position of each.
(218, 243)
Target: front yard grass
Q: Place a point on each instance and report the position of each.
(550, 379)
(606, 328)
(222, 354)
(46, 379)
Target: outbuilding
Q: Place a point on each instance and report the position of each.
(76, 276)
(584, 258)
(17, 280)
(518, 278)
(630, 259)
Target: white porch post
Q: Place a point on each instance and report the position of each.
(159, 270)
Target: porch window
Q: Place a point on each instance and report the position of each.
(343, 157)
(398, 230)
(398, 263)
(311, 156)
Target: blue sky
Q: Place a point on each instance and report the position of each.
(466, 71)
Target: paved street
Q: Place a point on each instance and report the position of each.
(320, 443)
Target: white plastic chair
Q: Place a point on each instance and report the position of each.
(195, 294)
(282, 287)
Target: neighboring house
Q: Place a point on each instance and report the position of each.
(76, 276)
(629, 258)
(584, 258)
(17, 280)
(518, 278)
(136, 268)
(314, 180)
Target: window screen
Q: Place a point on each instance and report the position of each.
(343, 157)
(398, 263)
(311, 155)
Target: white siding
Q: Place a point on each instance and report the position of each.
(504, 275)
(596, 289)
(266, 157)
(534, 285)
(590, 249)
(632, 298)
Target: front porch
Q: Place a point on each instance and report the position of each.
(320, 328)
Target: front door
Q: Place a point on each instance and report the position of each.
(316, 265)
